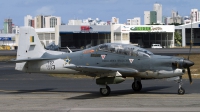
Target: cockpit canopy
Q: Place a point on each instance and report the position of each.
(125, 49)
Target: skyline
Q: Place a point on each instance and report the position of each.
(78, 9)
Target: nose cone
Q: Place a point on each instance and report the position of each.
(187, 63)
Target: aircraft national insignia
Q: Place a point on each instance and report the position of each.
(103, 56)
(67, 61)
(131, 60)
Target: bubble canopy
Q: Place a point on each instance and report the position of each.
(125, 49)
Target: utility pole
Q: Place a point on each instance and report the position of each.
(191, 40)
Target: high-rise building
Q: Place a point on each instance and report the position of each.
(174, 13)
(52, 21)
(28, 20)
(158, 8)
(8, 26)
(150, 17)
(39, 21)
(199, 16)
(146, 17)
(134, 21)
(194, 15)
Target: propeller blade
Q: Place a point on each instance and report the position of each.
(189, 75)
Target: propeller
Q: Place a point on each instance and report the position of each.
(189, 74)
(187, 64)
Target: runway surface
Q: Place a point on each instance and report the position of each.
(164, 51)
(40, 92)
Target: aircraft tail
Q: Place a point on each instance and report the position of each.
(29, 44)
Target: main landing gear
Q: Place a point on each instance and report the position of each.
(181, 91)
(105, 91)
(137, 85)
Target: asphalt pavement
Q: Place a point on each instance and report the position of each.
(40, 92)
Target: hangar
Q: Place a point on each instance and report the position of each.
(80, 36)
(185, 31)
(144, 35)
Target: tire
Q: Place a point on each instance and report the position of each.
(181, 91)
(105, 91)
(139, 86)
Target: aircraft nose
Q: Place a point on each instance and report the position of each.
(187, 63)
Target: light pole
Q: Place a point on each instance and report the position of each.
(191, 39)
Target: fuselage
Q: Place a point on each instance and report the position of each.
(147, 64)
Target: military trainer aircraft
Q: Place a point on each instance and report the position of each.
(110, 62)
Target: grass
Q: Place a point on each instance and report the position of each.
(7, 58)
(195, 70)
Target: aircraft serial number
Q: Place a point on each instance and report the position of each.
(50, 65)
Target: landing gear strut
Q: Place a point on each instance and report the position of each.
(181, 91)
(137, 85)
(105, 91)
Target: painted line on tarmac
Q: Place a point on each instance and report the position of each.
(143, 109)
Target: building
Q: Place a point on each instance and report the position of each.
(29, 21)
(194, 15)
(147, 17)
(115, 20)
(7, 26)
(158, 8)
(186, 33)
(39, 21)
(15, 29)
(7, 39)
(51, 21)
(134, 21)
(75, 22)
(150, 17)
(174, 13)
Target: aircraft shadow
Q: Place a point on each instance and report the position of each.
(96, 94)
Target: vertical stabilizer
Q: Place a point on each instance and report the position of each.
(29, 44)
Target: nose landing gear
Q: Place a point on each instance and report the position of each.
(181, 91)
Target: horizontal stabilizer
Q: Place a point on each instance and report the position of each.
(29, 59)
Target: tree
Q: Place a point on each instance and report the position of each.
(178, 38)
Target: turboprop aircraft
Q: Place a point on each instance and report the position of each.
(110, 62)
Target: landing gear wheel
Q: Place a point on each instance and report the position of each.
(181, 91)
(105, 91)
(137, 87)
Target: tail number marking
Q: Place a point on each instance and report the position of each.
(50, 65)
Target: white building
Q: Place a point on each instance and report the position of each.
(174, 13)
(134, 21)
(115, 20)
(146, 17)
(74, 22)
(52, 21)
(27, 20)
(195, 15)
(158, 8)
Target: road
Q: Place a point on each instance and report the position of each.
(21, 92)
(166, 51)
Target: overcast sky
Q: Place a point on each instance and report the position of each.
(82, 9)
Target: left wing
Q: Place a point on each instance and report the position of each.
(96, 69)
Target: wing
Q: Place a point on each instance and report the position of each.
(101, 70)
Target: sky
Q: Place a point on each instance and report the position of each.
(83, 9)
